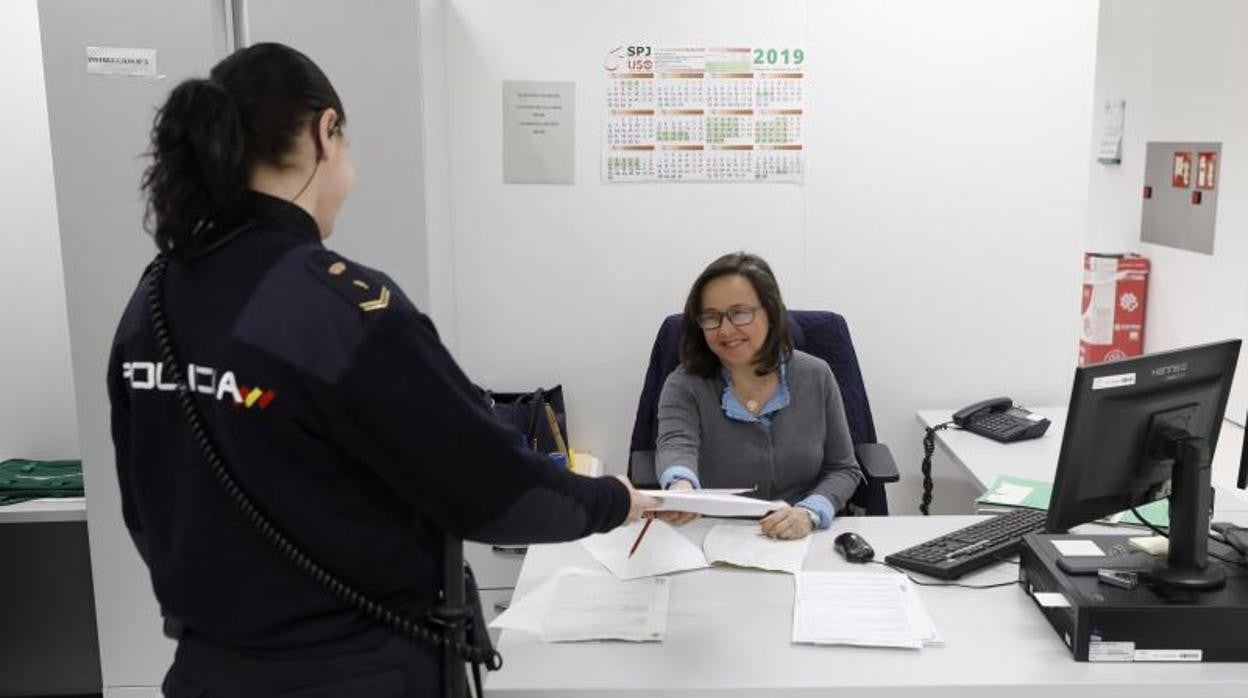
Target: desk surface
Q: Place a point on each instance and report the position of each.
(983, 459)
(728, 635)
(45, 511)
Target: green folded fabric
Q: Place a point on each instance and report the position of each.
(21, 479)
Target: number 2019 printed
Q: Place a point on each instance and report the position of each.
(771, 56)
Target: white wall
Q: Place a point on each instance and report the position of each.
(943, 211)
(37, 418)
(1182, 68)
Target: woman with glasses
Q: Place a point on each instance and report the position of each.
(746, 410)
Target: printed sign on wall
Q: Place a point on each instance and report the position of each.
(1206, 169)
(1181, 177)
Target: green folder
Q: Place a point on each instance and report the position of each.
(1020, 493)
(1016, 493)
(21, 479)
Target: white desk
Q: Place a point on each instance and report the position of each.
(45, 511)
(983, 459)
(728, 635)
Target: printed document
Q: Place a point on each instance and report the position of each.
(713, 502)
(856, 608)
(581, 604)
(662, 551)
(744, 545)
(603, 608)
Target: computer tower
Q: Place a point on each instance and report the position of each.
(1103, 623)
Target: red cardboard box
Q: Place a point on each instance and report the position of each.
(1115, 287)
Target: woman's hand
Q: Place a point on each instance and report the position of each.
(638, 503)
(677, 518)
(788, 523)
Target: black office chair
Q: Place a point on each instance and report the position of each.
(819, 333)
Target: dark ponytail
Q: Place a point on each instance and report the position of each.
(211, 134)
(198, 172)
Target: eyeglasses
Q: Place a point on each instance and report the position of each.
(738, 315)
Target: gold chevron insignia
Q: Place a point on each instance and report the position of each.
(378, 303)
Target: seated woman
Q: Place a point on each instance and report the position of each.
(746, 410)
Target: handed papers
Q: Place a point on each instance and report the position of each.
(713, 502)
(579, 604)
(663, 550)
(855, 608)
(746, 546)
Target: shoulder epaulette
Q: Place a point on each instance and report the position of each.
(358, 285)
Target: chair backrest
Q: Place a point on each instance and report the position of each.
(817, 332)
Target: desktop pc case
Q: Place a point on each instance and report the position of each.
(1103, 623)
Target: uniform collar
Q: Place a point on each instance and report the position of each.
(272, 213)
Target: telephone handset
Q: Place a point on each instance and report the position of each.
(999, 419)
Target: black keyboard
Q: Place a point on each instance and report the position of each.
(966, 549)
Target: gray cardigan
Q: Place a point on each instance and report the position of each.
(806, 450)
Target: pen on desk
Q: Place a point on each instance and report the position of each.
(560, 444)
(640, 536)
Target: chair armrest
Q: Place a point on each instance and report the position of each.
(641, 470)
(877, 462)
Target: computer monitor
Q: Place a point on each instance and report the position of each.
(1142, 429)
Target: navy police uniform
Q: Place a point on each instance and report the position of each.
(331, 399)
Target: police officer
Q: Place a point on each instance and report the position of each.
(322, 390)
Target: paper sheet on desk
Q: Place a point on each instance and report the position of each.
(662, 551)
(603, 608)
(865, 609)
(579, 604)
(713, 502)
(744, 545)
(526, 612)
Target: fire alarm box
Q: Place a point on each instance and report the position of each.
(1115, 288)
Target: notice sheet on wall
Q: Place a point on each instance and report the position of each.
(704, 114)
(539, 138)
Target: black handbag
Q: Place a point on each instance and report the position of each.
(526, 413)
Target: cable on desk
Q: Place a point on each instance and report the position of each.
(1165, 534)
(929, 447)
(946, 584)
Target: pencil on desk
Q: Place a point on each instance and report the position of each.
(640, 536)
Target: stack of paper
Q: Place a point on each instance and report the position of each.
(662, 551)
(713, 502)
(744, 545)
(857, 608)
(578, 604)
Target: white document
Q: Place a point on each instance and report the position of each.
(602, 608)
(526, 613)
(1078, 548)
(662, 551)
(864, 609)
(1109, 150)
(713, 502)
(1051, 599)
(539, 132)
(744, 545)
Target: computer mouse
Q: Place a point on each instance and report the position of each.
(853, 547)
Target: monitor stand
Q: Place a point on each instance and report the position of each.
(1191, 500)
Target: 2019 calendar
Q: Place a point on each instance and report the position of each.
(686, 114)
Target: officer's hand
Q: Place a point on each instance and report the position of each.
(787, 523)
(639, 503)
(677, 518)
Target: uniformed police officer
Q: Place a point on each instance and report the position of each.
(326, 394)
